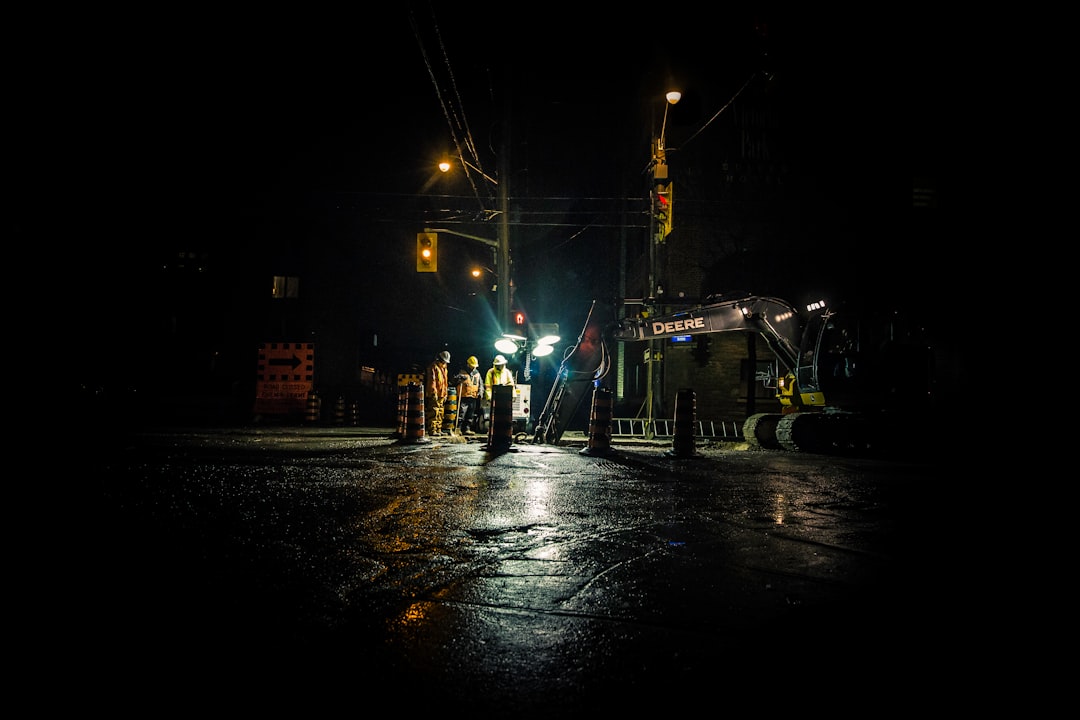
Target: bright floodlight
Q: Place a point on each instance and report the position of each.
(542, 350)
(506, 346)
(548, 340)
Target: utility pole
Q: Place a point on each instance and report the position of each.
(506, 283)
(504, 299)
(659, 207)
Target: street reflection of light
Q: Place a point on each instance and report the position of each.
(414, 614)
(549, 552)
(780, 511)
(537, 499)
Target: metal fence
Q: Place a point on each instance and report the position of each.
(665, 428)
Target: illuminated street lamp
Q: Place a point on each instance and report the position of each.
(478, 272)
(445, 166)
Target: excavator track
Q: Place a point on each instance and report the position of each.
(759, 431)
(825, 432)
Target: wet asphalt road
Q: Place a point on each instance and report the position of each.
(296, 568)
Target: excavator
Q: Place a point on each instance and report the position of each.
(845, 381)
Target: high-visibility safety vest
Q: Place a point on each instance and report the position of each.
(497, 376)
(471, 387)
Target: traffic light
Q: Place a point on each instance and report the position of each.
(520, 321)
(427, 252)
(662, 206)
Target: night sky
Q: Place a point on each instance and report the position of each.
(253, 137)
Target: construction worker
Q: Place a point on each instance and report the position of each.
(436, 386)
(468, 382)
(497, 375)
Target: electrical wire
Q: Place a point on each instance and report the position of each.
(718, 112)
(454, 112)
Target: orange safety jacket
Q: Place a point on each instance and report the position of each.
(471, 387)
(435, 383)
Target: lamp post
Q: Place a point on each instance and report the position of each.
(657, 177)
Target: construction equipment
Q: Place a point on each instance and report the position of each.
(845, 381)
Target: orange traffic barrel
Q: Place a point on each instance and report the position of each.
(402, 409)
(311, 414)
(450, 411)
(339, 411)
(414, 414)
(599, 423)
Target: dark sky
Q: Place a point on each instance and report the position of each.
(211, 126)
(348, 101)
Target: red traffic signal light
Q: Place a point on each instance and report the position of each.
(519, 318)
(662, 207)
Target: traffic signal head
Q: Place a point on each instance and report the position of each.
(662, 205)
(519, 319)
(427, 252)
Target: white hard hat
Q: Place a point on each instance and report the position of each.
(499, 360)
(444, 356)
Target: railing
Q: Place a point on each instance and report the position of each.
(665, 428)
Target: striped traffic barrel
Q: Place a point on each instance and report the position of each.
(314, 404)
(339, 410)
(450, 411)
(501, 427)
(599, 423)
(414, 414)
(402, 406)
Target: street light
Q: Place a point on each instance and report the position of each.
(672, 97)
(478, 272)
(445, 166)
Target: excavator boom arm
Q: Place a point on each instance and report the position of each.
(774, 319)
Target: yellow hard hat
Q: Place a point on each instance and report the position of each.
(472, 361)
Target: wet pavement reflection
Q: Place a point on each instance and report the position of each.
(535, 580)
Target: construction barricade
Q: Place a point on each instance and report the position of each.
(414, 414)
(682, 444)
(501, 425)
(599, 423)
(450, 412)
